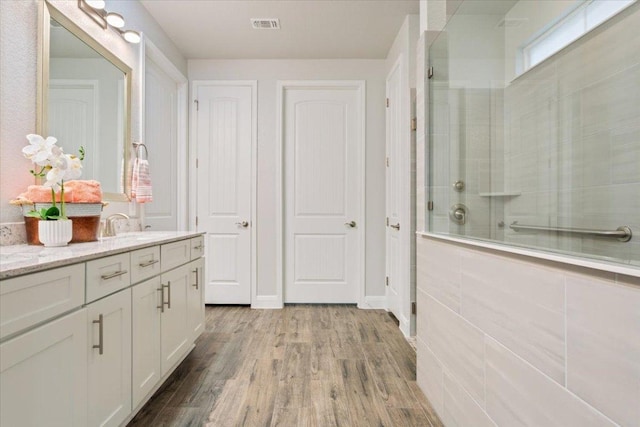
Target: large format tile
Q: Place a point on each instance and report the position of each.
(518, 304)
(520, 395)
(429, 375)
(603, 346)
(460, 410)
(438, 271)
(458, 345)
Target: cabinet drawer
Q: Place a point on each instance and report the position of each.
(175, 254)
(197, 247)
(34, 298)
(107, 275)
(145, 263)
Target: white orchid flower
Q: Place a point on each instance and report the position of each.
(74, 167)
(39, 149)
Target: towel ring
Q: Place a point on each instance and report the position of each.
(137, 146)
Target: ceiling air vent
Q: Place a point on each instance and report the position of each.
(265, 23)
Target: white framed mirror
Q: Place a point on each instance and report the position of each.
(84, 99)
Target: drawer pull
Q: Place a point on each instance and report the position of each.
(148, 263)
(197, 285)
(100, 345)
(114, 274)
(197, 248)
(161, 306)
(168, 303)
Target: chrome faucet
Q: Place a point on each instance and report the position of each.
(109, 229)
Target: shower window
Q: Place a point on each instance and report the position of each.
(548, 159)
(578, 22)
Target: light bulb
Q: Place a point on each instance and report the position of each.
(96, 4)
(131, 36)
(115, 19)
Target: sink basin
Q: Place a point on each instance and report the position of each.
(142, 235)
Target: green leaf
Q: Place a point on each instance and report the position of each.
(34, 214)
(52, 213)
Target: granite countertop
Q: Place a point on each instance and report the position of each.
(17, 260)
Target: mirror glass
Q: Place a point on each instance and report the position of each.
(85, 103)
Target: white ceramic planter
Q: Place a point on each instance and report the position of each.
(55, 233)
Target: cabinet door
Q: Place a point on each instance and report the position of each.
(43, 375)
(195, 300)
(174, 327)
(109, 360)
(146, 338)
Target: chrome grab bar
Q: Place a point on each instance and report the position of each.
(622, 233)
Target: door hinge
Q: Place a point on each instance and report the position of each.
(414, 309)
(196, 163)
(387, 221)
(196, 221)
(197, 104)
(430, 72)
(429, 205)
(387, 161)
(414, 123)
(387, 102)
(386, 281)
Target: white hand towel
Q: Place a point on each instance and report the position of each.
(141, 190)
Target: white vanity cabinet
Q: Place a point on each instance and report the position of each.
(109, 359)
(146, 298)
(174, 330)
(86, 344)
(195, 299)
(43, 375)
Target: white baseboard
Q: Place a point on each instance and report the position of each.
(267, 302)
(374, 302)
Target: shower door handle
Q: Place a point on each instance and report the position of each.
(458, 214)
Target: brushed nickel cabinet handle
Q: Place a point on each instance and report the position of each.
(197, 248)
(197, 285)
(148, 263)
(114, 274)
(351, 224)
(100, 345)
(396, 226)
(161, 306)
(168, 286)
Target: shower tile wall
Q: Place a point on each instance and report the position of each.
(573, 132)
(512, 340)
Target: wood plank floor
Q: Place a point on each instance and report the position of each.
(304, 365)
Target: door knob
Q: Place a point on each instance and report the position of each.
(396, 226)
(243, 224)
(351, 224)
(458, 214)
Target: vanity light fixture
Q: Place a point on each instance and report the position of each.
(131, 36)
(95, 10)
(114, 19)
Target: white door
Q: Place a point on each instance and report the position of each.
(394, 190)
(224, 132)
(161, 139)
(323, 197)
(73, 109)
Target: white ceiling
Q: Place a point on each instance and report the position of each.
(310, 29)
